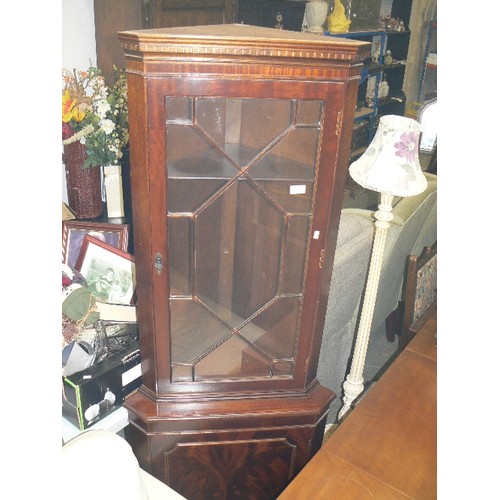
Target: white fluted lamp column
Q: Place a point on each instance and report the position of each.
(391, 167)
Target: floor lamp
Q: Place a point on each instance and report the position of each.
(389, 166)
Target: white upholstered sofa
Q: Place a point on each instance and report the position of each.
(99, 464)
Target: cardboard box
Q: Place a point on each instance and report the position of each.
(91, 394)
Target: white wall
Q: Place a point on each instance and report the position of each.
(78, 43)
(78, 34)
(30, 173)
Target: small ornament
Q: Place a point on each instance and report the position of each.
(388, 58)
(383, 90)
(337, 20)
(279, 18)
(392, 24)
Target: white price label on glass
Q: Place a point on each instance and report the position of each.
(298, 189)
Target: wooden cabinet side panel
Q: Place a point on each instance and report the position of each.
(336, 148)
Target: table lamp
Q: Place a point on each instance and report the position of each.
(389, 166)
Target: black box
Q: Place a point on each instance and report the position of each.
(91, 394)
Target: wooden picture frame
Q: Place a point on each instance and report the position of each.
(73, 234)
(420, 292)
(109, 272)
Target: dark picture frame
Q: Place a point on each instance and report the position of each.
(420, 291)
(74, 232)
(108, 271)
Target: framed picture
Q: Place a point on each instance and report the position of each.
(109, 272)
(73, 233)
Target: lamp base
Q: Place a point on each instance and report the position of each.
(353, 385)
(352, 389)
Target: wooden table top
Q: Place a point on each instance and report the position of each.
(386, 447)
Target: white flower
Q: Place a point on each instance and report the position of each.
(102, 107)
(107, 126)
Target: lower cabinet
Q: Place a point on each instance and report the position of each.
(205, 452)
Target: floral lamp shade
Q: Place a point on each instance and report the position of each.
(390, 165)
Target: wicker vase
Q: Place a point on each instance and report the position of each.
(83, 184)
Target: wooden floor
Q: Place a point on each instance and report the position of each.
(386, 448)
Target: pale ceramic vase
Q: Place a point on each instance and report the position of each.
(316, 14)
(114, 190)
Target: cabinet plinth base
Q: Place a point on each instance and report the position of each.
(230, 449)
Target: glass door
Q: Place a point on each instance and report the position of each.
(241, 188)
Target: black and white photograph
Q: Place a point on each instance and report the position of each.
(109, 272)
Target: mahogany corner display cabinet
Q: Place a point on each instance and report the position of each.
(239, 142)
